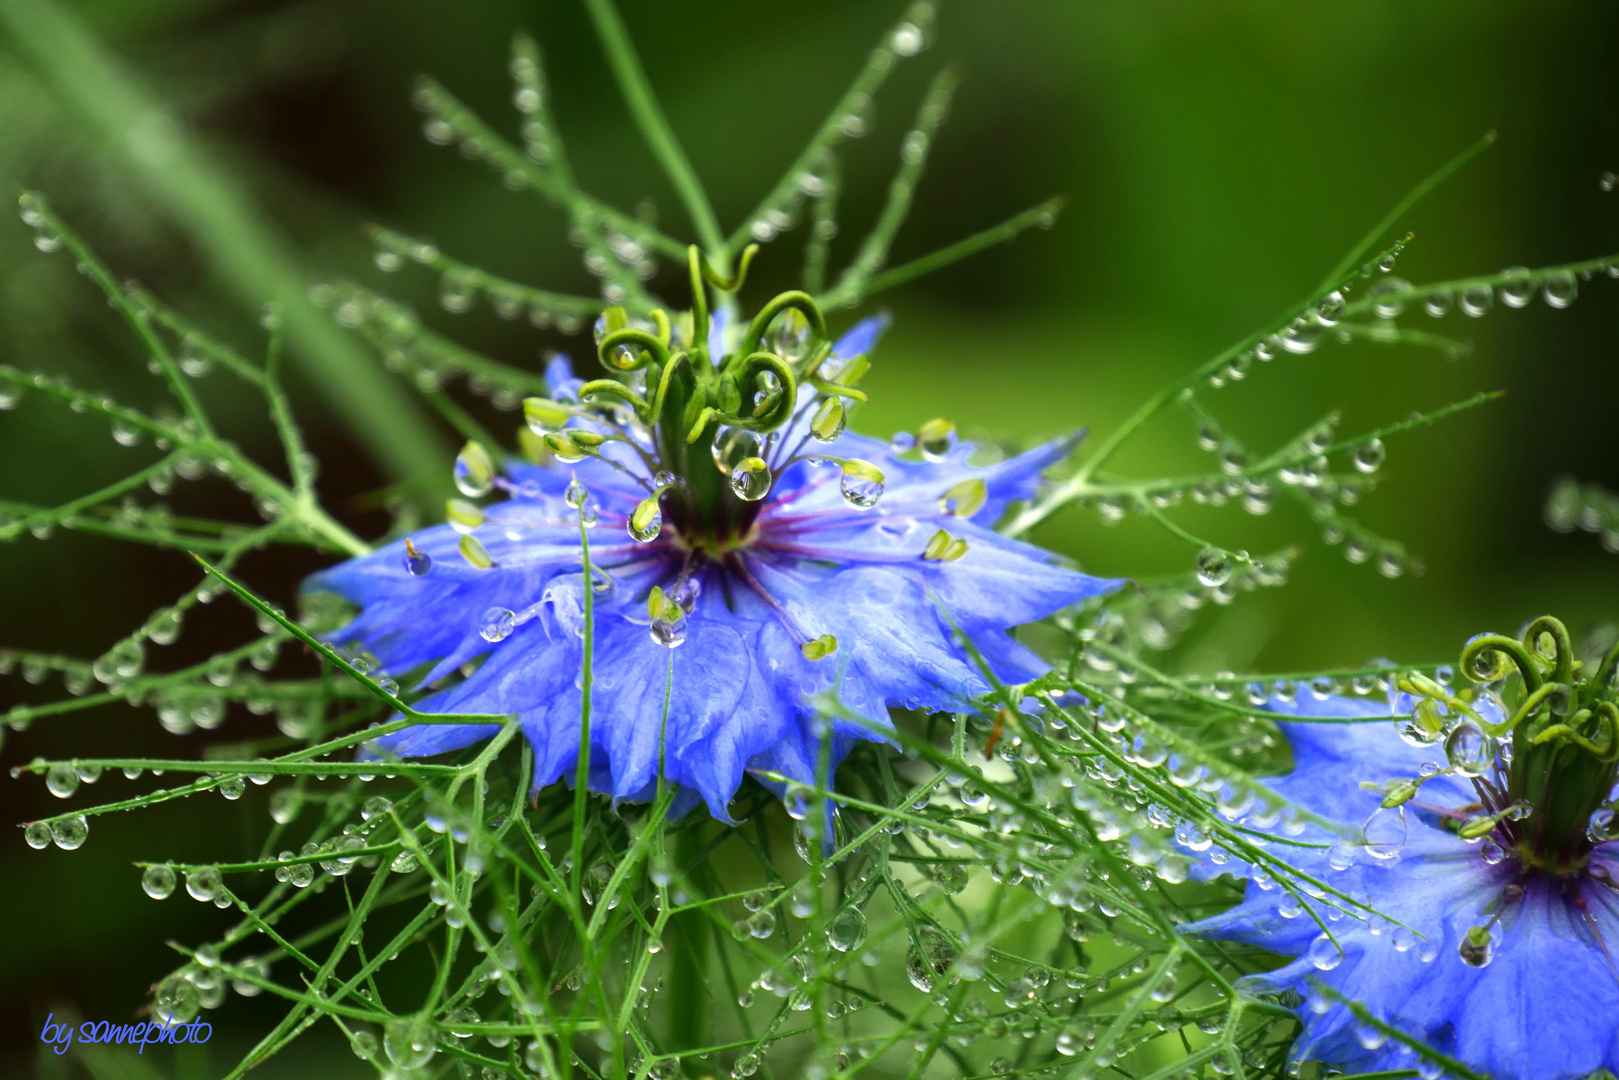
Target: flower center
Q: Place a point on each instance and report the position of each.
(712, 422)
(1537, 740)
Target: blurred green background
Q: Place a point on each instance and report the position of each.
(1218, 158)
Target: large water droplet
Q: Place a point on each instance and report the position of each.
(204, 882)
(177, 1000)
(474, 471)
(1477, 948)
(1468, 750)
(38, 835)
(1517, 290)
(69, 833)
(789, 335)
(1384, 833)
(936, 439)
(1477, 301)
(847, 931)
(669, 632)
(731, 445)
(1324, 953)
(496, 624)
(62, 780)
(409, 1042)
(158, 882)
(750, 480)
(830, 420)
(928, 959)
(646, 520)
(1369, 455)
(1560, 289)
(1213, 567)
(862, 484)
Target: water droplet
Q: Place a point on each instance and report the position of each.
(474, 471)
(497, 624)
(928, 959)
(62, 780)
(936, 439)
(1477, 301)
(1388, 296)
(576, 494)
(762, 924)
(177, 1000)
(1600, 829)
(862, 484)
(830, 420)
(1369, 456)
(847, 931)
(646, 521)
(1477, 948)
(462, 516)
(1384, 833)
(1560, 289)
(38, 835)
(1213, 567)
(158, 882)
(69, 833)
(409, 1042)
(789, 335)
(204, 882)
(1517, 290)
(544, 417)
(669, 630)
(1324, 953)
(732, 445)
(751, 479)
(1468, 750)
(232, 787)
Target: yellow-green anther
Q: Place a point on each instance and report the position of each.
(965, 499)
(473, 552)
(1400, 792)
(462, 516)
(532, 446)
(830, 420)
(1477, 827)
(942, 547)
(646, 520)
(563, 448)
(1425, 717)
(820, 648)
(587, 440)
(936, 437)
(861, 469)
(661, 606)
(854, 371)
(544, 416)
(474, 470)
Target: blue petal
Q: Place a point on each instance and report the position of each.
(862, 337)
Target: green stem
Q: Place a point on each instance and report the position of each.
(688, 960)
(643, 104)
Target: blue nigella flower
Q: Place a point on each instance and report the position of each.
(1485, 844)
(735, 523)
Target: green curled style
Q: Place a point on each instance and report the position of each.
(613, 388)
(1562, 658)
(1607, 713)
(805, 303)
(747, 373)
(652, 349)
(734, 282)
(1505, 649)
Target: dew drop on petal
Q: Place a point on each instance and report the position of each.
(496, 624)
(1600, 828)
(1384, 833)
(862, 484)
(417, 561)
(1324, 953)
